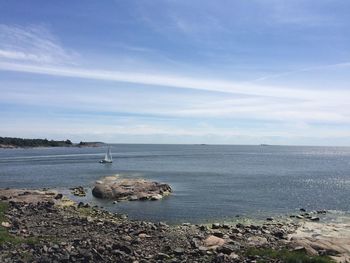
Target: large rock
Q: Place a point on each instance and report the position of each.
(332, 239)
(212, 242)
(115, 188)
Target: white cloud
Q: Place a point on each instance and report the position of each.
(32, 44)
(259, 102)
(179, 82)
(308, 69)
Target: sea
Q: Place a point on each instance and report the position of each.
(209, 182)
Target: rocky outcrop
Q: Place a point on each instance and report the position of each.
(117, 189)
(78, 191)
(332, 239)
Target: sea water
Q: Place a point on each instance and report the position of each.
(209, 182)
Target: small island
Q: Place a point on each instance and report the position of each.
(12, 142)
(114, 188)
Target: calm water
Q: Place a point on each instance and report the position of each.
(210, 182)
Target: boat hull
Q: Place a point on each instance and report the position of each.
(104, 161)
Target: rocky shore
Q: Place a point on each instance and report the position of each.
(45, 226)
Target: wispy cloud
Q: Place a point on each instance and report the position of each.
(296, 12)
(32, 44)
(313, 107)
(176, 81)
(308, 69)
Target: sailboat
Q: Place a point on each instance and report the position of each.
(108, 156)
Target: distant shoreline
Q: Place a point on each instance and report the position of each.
(15, 143)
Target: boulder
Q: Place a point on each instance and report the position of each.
(130, 189)
(213, 242)
(257, 241)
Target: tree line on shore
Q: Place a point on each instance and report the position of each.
(20, 142)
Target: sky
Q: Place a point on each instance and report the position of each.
(166, 71)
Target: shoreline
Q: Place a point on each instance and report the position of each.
(292, 215)
(62, 228)
(12, 147)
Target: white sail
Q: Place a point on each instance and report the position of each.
(108, 156)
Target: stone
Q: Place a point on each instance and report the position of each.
(143, 235)
(130, 189)
(156, 197)
(279, 234)
(257, 241)
(218, 234)
(234, 256)
(235, 230)
(239, 225)
(6, 224)
(203, 228)
(321, 211)
(78, 191)
(122, 247)
(215, 226)
(179, 251)
(195, 243)
(133, 198)
(162, 256)
(315, 218)
(162, 224)
(213, 242)
(58, 196)
(226, 249)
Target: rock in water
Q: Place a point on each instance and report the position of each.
(130, 189)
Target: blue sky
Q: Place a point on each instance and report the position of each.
(166, 71)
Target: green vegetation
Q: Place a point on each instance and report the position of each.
(19, 142)
(5, 237)
(286, 256)
(3, 209)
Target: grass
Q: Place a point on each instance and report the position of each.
(286, 256)
(3, 209)
(5, 236)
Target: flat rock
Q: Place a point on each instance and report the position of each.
(213, 242)
(6, 224)
(257, 241)
(28, 196)
(115, 188)
(332, 239)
